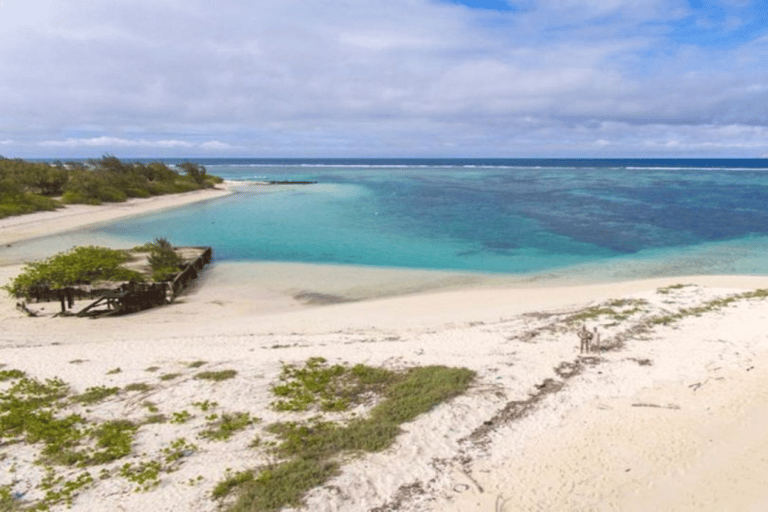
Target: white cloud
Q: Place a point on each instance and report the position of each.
(216, 145)
(379, 77)
(107, 142)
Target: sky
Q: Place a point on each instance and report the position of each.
(384, 78)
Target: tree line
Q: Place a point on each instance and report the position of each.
(27, 187)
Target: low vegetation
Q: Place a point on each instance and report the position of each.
(311, 451)
(216, 375)
(77, 450)
(712, 305)
(80, 265)
(91, 264)
(617, 310)
(164, 260)
(630, 318)
(224, 426)
(332, 388)
(27, 187)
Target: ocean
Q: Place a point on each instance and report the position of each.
(611, 219)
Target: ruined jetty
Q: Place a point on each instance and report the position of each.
(112, 281)
(130, 297)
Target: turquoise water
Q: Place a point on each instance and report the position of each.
(641, 220)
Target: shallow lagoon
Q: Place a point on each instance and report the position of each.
(551, 223)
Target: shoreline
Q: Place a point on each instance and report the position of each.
(19, 228)
(671, 420)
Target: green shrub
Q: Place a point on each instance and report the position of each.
(27, 187)
(182, 185)
(138, 192)
(110, 194)
(76, 197)
(19, 204)
(81, 265)
(165, 262)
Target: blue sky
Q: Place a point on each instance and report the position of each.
(311, 78)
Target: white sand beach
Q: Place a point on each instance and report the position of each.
(76, 216)
(671, 418)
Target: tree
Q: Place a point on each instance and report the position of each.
(195, 171)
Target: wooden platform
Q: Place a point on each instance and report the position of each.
(131, 297)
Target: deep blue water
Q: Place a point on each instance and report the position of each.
(512, 216)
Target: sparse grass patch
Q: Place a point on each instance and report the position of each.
(114, 371)
(667, 289)
(95, 394)
(145, 474)
(310, 450)
(224, 487)
(196, 364)
(169, 376)
(139, 386)
(180, 417)
(333, 388)
(205, 405)
(115, 437)
(8, 502)
(34, 412)
(155, 418)
(225, 426)
(284, 485)
(616, 310)
(59, 490)
(216, 376)
(10, 374)
(178, 449)
(706, 307)
(151, 368)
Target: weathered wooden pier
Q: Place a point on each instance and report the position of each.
(131, 296)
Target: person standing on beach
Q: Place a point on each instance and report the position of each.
(585, 337)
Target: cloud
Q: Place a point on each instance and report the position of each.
(216, 145)
(392, 77)
(107, 142)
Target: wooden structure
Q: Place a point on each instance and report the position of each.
(191, 271)
(132, 296)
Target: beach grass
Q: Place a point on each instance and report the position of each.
(329, 413)
(216, 376)
(224, 426)
(311, 450)
(305, 453)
